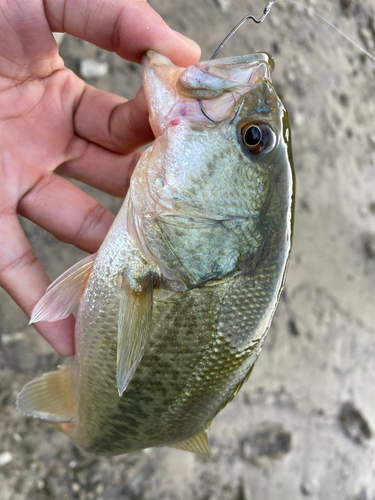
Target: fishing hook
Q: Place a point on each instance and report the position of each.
(237, 113)
(232, 32)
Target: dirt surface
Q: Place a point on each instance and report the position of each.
(302, 426)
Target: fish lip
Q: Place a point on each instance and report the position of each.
(250, 58)
(216, 102)
(173, 92)
(211, 216)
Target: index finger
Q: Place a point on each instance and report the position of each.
(127, 27)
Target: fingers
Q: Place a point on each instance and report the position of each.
(64, 210)
(128, 27)
(100, 168)
(112, 122)
(23, 277)
(27, 46)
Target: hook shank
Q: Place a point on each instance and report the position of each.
(236, 28)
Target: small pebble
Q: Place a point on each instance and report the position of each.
(244, 492)
(5, 458)
(99, 488)
(75, 487)
(299, 118)
(369, 244)
(367, 38)
(307, 488)
(293, 328)
(17, 437)
(346, 5)
(11, 338)
(89, 68)
(344, 100)
(371, 139)
(223, 5)
(41, 484)
(354, 424)
(269, 440)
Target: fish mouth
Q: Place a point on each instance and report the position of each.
(175, 93)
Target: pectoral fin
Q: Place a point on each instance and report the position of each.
(134, 323)
(64, 293)
(197, 444)
(49, 397)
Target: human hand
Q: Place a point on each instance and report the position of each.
(52, 121)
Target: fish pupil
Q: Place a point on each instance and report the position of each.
(253, 136)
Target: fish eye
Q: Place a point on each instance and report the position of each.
(257, 137)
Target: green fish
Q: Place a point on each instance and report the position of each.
(176, 304)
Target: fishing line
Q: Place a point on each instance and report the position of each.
(362, 49)
(266, 11)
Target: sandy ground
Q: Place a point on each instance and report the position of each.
(302, 426)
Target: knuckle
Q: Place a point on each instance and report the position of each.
(13, 261)
(41, 186)
(26, 259)
(6, 211)
(114, 135)
(118, 29)
(91, 220)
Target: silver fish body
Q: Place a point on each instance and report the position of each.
(182, 292)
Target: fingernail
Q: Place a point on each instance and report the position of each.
(188, 40)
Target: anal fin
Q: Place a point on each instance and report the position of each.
(64, 293)
(197, 444)
(49, 397)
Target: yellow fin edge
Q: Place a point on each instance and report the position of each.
(49, 397)
(196, 444)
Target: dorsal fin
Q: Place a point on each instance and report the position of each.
(197, 444)
(133, 327)
(64, 293)
(49, 397)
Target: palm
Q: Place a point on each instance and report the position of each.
(44, 125)
(52, 122)
(39, 130)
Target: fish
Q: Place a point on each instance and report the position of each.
(175, 306)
